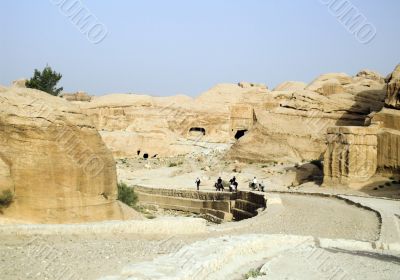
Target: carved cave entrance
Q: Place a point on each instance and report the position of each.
(240, 133)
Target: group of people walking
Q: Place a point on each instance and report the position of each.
(233, 184)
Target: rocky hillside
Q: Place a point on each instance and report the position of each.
(292, 123)
(286, 124)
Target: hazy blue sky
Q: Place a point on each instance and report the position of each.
(164, 47)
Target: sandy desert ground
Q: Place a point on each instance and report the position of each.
(353, 225)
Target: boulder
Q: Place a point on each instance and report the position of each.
(331, 83)
(20, 83)
(54, 161)
(304, 173)
(393, 89)
(372, 75)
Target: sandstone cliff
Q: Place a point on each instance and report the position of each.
(137, 125)
(54, 161)
(287, 124)
(393, 91)
(355, 155)
(292, 124)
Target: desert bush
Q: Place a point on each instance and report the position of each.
(45, 80)
(173, 164)
(6, 198)
(127, 194)
(253, 273)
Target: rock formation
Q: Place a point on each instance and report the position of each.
(54, 161)
(20, 83)
(351, 156)
(355, 154)
(388, 141)
(290, 86)
(133, 125)
(393, 89)
(78, 96)
(287, 124)
(292, 124)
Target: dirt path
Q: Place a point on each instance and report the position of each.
(310, 215)
(90, 256)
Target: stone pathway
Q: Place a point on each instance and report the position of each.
(230, 257)
(389, 211)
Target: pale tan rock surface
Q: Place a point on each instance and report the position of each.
(138, 125)
(290, 86)
(77, 96)
(388, 141)
(351, 156)
(372, 75)
(20, 83)
(292, 125)
(393, 89)
(355, 154)
(133, 125)
(287, 125)
(54, 160)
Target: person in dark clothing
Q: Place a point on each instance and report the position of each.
(198, 183)
(218, 185)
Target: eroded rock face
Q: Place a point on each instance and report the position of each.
(351, 156)
(77, 96)
(371, 75)
(393, 89)
(355, 154)
(292, 125)
(134, 125)
(290, 86)
(388, 141)
(54, 160)
(287, 125)
(20, 83)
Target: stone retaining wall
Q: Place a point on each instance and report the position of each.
(218, 206)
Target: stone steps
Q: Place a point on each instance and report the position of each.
(247, 206)
(239, 214)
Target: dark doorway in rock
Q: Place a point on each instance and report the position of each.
(198, 129)
(155, 155)
(145, 155)
(138, 152)
(240, 133)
